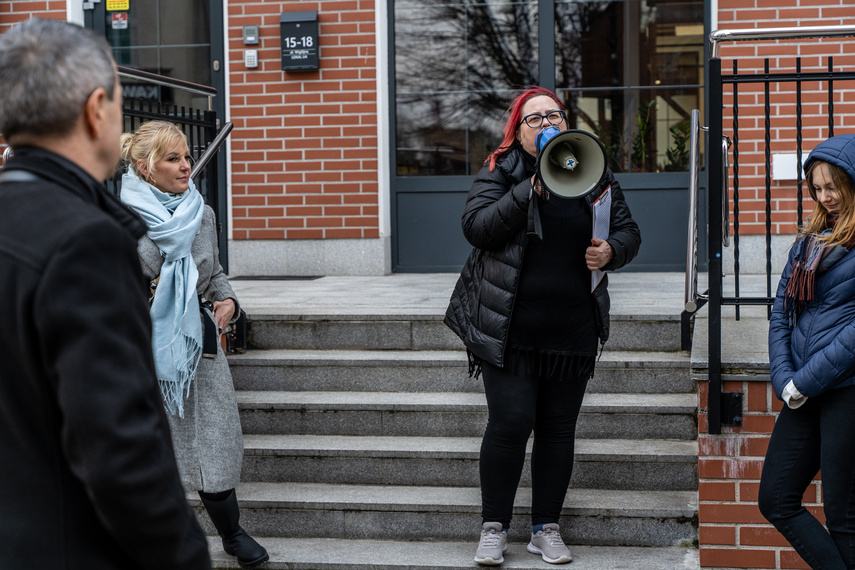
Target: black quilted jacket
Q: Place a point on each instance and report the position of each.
(495, 221)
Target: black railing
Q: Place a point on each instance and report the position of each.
(724, 408)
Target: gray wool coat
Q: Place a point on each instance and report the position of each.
(208, 440)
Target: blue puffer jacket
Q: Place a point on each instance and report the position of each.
(818, 353)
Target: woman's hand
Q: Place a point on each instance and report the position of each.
(599, 254)
(223, 312)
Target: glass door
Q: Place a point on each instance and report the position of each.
(182, 40)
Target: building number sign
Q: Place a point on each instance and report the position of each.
(303, 42)
(299, 34)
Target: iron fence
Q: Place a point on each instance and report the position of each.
(726, 408)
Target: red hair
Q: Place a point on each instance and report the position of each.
(514, 114)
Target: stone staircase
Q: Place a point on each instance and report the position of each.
(362, 435)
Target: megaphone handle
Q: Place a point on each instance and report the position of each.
(537, 187)
(533, 227)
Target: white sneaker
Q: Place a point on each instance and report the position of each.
(493, 544)
(549, 545)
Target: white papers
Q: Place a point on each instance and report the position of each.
(602, 210)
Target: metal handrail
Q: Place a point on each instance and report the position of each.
(190, 87)
(725, 211)
(692, 295)
(211, 150)
(165, 81)
(718, 36)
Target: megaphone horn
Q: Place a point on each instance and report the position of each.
(570, 163)
(563, 156)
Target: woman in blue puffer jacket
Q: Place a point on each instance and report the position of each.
(812, 362)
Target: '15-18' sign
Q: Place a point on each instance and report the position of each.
(299, 33)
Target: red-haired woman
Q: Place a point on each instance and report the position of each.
(524, 308)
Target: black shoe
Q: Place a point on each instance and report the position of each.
(236, 542)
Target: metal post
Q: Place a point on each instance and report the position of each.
(767, 127)
(714, 241)
(736, 187)
(546, 35)
(691, 298)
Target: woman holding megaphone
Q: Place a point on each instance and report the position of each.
(525, 309)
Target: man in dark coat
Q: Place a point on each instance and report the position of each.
(87, 471)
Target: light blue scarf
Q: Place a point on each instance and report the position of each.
(173, 221)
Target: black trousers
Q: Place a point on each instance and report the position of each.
(818, 435)
(519, 403)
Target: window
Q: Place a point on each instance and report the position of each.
(166, 38)
(457, 65)
(629, 71)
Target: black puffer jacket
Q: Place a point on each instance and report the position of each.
(495, 222)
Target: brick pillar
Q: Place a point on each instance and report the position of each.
(732, 532)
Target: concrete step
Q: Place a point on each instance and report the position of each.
(590, 516)
(438, 371)
(336, 554)
(453, 461)
(426, 332)
(604, 416)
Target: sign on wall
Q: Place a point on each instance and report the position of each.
(299, 33)
(116, 5)
(119, 20)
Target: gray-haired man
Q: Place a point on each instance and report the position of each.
(87, 472)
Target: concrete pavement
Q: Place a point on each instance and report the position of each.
(636, 296)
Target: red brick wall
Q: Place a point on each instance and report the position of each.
(14, 11)
(739, 14)
(304, 148)
(733, 533)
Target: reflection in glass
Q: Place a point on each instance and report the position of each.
(181, 23)
(631, 72)
(176, 62)
(164, 37)
(435, 149)
(658, 140)
(640, 42)
(457, 66)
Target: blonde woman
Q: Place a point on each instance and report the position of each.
(179, 255)
(812, 362)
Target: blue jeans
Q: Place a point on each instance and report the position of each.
(519, 404)
(818, 435)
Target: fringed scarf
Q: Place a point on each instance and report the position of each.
(173, 221)
(813, 258)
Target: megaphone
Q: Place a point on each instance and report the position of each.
(570, 163)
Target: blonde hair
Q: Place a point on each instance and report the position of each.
(844, 227)
(149, 143)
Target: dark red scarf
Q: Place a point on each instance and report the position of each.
(813, 258)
